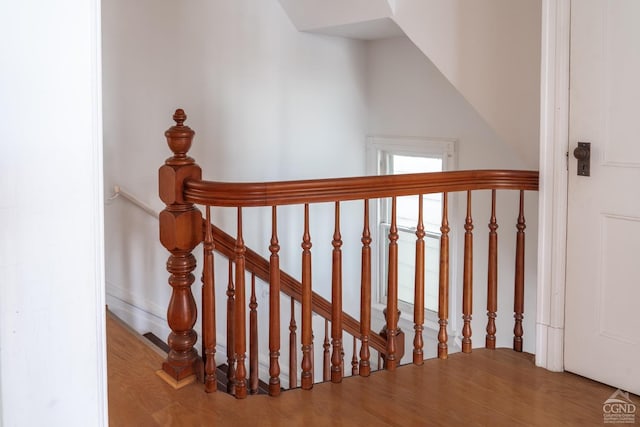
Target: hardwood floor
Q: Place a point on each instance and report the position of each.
(496, 388)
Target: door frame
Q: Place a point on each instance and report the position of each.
(552, 208)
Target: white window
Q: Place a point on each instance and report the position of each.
(400, 156)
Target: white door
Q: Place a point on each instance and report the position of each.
(602, 339)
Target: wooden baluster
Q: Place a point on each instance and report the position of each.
(231, 359)
(253, 338)
(467, 282)
(365, 296)
(443, 289)
(492, 276)
(418, 301)
(209, 309)
(240, 315)
(354, 358)
(274, 308)
(306, 366)
(380, 361)
(293, 348)
(518, 303)
(313, 355)
(180, 233)
(392, 292)
(337, 365)
(326, 358)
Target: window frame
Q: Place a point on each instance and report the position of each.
(379, 147)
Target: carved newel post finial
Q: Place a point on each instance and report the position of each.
(180, 233)
(179, 117)
(179, 138)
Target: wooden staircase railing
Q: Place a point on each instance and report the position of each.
(256, 264)
(259, 268)
(182, 228)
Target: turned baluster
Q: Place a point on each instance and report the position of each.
(274, 308)
(209, 309)
(231, 360)
(313, 357)
(492, 276)
(180, 233)
(443, 288)
(326, 358)
(392, 292)
(240, 315)
(293, 353)
(518, 305)
(306, 379)
(253, 338)
(336, 301)
(354, 358)
(418, 300)
(467, 281)
(365, 296)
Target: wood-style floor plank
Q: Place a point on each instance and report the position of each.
(485, 388)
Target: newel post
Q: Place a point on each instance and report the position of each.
(180, 233)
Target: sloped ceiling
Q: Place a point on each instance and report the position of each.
(488, 49)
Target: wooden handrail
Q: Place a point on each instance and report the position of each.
(236, 194)
(256, 264)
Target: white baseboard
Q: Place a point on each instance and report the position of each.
(137, 318)
(550, 347)
(143, 321)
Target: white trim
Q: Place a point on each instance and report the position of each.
(137, 300)
(554, 139)
(418, 146)
(98, 213)
(139, 319)
(410, 146)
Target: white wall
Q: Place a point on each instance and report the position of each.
(52, 351)
(490, 51)
(266, 102)
(408, 96)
